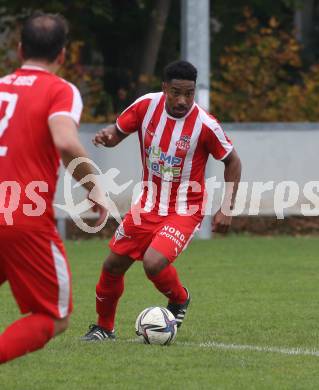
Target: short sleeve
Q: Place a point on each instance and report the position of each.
(130, 120)
(216, 141)
(65, 100)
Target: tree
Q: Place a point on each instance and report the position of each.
(305, 27)
(262, 77)
(122, 46)
(152, 44)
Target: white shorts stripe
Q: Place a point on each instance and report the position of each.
(191, 236)
(63, 280)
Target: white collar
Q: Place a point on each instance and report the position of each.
(34, 67)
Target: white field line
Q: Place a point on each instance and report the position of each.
(253, 348)
(298, 351)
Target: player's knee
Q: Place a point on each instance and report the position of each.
(153, 265)
(61, 325)
(109, 266)
(112, 266)
(116, 265)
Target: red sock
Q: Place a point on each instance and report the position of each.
(25, 335)
(108, 291)
(168, 283)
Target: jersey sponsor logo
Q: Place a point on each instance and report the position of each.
(166, 173)
(156, 154)
(184, 142)
(163, 165)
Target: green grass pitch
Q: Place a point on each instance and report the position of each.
(246, 291)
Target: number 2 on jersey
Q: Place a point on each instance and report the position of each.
(11, 100)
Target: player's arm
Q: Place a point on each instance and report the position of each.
(127, 123)
(66, 139)
(109, 136)
(222, 219)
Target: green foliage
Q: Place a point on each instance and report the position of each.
(89, 79)
(9, 39)
(97, 103)
(258, 73)
(262, 79)
(105, 50)
(101, 8)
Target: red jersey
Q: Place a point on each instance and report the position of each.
(174, 153)
(29, 160)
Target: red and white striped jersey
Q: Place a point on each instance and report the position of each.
(174, 153)
(29, 160)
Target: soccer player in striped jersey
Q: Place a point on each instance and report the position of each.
(176, 138)
(39, 116)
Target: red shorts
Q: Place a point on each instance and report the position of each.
(35, 265)
(169, 235)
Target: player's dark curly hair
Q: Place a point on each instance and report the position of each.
(43, 36)
(180, 70)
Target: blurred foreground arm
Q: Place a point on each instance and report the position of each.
(66, 139)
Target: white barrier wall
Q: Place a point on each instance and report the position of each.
(270, 152)
(275, 152)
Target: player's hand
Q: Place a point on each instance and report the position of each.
(105, 137)
(221, 222)
(99, 208)
(103, 213)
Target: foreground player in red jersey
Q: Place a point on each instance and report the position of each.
(39, 115)
(176, 137)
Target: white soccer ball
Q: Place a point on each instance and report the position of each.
(156, 325)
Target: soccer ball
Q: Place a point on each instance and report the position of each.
(156, 325)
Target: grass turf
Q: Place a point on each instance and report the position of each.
(245, 290)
